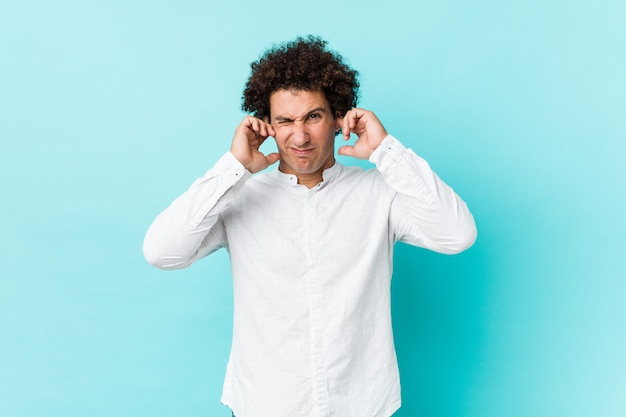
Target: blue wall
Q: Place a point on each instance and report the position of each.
(108, 110)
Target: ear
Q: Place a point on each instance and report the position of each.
(338, 123)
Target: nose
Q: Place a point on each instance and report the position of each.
(300, 136)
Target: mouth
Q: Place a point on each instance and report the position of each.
(301, 152)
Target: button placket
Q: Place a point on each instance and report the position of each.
(315, 306)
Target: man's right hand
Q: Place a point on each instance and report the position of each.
(249, 136)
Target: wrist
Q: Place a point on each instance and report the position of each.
(385, 145)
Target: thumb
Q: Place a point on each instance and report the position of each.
(272, 158)
(346, 151)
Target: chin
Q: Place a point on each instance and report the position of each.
(301, 168)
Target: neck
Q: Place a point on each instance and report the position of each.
(310, 179)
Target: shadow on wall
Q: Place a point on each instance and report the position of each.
(438, 308)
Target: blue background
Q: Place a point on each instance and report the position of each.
(109, 110)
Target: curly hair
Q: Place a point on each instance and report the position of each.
(301, 64)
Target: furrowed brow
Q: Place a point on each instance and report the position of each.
(315, 110)
(278, 119)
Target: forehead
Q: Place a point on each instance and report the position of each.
(296, 103)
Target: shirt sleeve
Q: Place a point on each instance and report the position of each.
(190, 228)
(425, 212)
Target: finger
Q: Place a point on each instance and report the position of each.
(255, 125)
(270, 129)
(345, 128)
(354, 120)
(261, 127)
(272, 158)
(346, 151)
(246, 124)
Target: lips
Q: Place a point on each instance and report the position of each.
(301, 151)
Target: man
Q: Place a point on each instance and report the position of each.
(310, 243)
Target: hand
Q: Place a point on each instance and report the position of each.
(249, 136)
(369, 130)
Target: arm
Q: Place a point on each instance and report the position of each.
(189, 228)
(426, 211)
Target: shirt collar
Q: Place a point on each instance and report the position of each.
(291, 180)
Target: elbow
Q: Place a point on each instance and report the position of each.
(464, 238)
(153, 258)
(158, 257)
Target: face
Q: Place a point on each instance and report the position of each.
(305, 133)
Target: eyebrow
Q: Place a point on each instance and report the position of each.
(310, 112)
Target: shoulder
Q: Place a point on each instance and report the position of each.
(358, 180)
(361, 175)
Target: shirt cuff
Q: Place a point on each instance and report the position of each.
(229, 168)
(389, 146)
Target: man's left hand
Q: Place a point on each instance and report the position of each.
(369, 130)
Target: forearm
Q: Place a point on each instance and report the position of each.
(188, 229)
(427, 212)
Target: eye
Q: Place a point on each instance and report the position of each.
(314, 117)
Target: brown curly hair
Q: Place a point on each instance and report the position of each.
(301, 64)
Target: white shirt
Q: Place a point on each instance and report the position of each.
(311, 271)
